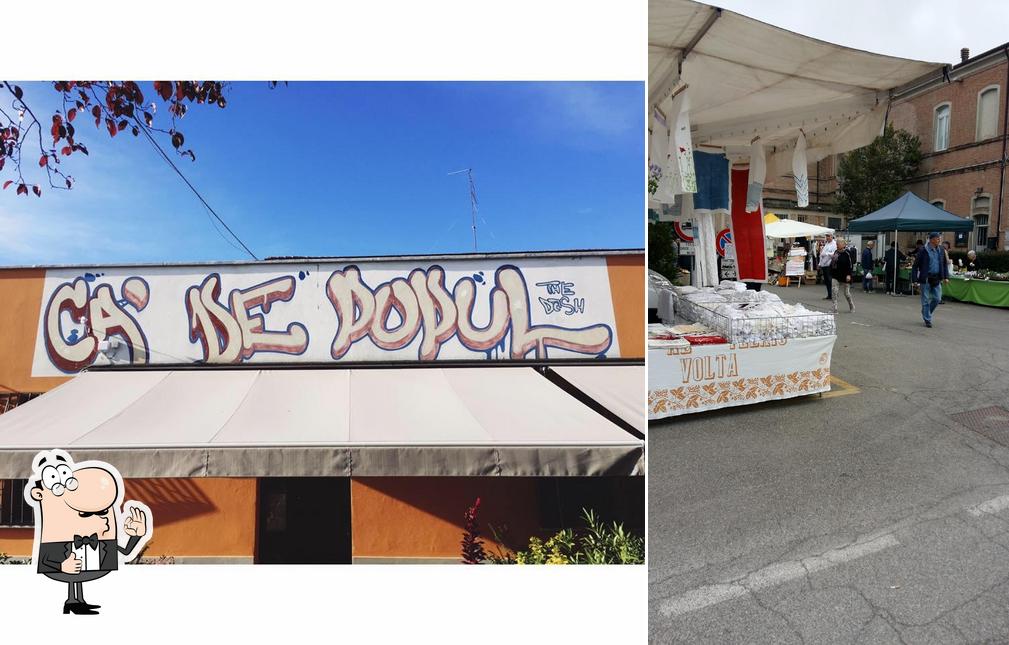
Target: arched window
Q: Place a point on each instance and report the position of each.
(987, 113)
(980, 209)
(941, 127)
(940, 203)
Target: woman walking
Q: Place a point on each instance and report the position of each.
(842, 272)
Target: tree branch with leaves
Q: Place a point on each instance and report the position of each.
(873, 176)
(115, 106)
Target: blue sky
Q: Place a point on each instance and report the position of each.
(346, 168)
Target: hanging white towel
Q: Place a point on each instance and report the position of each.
(755, 181)
(658, 164)
(682, 176)
(799, 166)
(705, 257)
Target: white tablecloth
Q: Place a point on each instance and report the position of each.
(709, 377)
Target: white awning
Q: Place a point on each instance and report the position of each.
(790, 228)
(746, 78)
(472, 421)
(618, 388)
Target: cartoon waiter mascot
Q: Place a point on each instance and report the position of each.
(79, 516)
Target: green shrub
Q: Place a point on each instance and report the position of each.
(595, 543)
(662, 250)
(6, 559)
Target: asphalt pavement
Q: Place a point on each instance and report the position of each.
(869, 515)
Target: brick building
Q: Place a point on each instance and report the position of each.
(959, 114)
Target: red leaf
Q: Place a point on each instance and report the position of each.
(2, 163)
(66, 151)
(164, 89)
(112, 127)
(8, 183)
(22, 189)
(68, 183)
(148, 119)
(177, 139)
(96, 111)
(37, 191)
(81, 147)
(57, 119)
(43, 160)
(136, 130)
(122, 125)
(18, 93)
(71, 114)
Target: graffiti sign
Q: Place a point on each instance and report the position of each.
(561, 301)
(379, 311)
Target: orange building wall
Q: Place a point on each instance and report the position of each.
(208, 516)
(21, 293)
(16, 541)
(627, 288)
(192, 517)
(422, 517)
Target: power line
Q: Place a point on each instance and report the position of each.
(197, 193)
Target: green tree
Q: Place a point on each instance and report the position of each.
(662, 249)
(873, 176)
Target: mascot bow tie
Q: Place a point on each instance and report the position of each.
(91, 540)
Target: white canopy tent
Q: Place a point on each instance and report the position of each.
(785, 228)
(746, 81)
(465, 421)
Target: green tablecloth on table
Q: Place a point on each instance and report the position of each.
(903, 274)
(982, 292)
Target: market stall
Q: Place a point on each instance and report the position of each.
(993, 293)
(733, 101)
(908, 213)
(731, 346)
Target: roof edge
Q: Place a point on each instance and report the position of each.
(572, 253)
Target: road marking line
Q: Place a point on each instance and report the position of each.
(771, 576)
(845, 389)
(991, 506)
(860, 324)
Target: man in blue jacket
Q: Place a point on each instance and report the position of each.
(867, 264)
(931, 269)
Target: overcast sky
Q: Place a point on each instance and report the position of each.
(931, 30)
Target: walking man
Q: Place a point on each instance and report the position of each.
(842, 273)
(867, 264)
(932, 270)
(826, 260)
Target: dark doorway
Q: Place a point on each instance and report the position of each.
(304, 520)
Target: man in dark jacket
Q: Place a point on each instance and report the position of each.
(867, 265)
(892, 260)
(931, 268)
(841, 273)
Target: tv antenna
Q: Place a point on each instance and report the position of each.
(472, 199)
